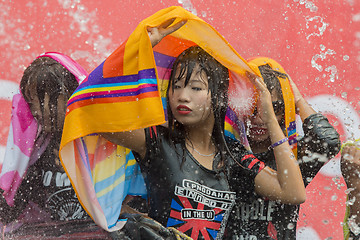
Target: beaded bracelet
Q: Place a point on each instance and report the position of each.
(278, 143)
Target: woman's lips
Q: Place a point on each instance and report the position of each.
(182, 109)
(258, 130)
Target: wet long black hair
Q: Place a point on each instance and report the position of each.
(218, 83)
(46, 75)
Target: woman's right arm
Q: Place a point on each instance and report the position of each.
(135, 140)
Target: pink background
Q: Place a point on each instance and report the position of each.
(317, 42)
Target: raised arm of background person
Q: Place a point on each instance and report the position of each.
(350, 169)
(302, 106)
(320, 142)
(286, 183)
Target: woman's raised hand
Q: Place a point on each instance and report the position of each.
(161, 31)
(264, 104)
(296, 92)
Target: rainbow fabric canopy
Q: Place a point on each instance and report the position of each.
(127, 92)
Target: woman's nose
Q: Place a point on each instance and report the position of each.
(184, 95)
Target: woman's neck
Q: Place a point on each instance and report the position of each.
(259, 147)
(200, 138)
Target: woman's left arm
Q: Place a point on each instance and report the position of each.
(286, 183)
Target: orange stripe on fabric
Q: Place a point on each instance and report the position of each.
(113, 65)
(150, 109)
(173, 46)
(111, 100)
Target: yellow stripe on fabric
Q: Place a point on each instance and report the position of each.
(91, 142)
(130, 163)
(101, 118)
(106, 89)
(230, 128)
(107, 168)
(163, 87)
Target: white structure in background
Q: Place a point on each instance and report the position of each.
(7, 90)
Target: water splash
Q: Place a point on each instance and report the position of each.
(316, 20)
(85, 21)
(322, 55)
(308, 4)
(187, 4)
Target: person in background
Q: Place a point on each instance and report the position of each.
(37, 200)
(264, 218)
(350, 169)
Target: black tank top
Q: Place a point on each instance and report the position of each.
(188, 196)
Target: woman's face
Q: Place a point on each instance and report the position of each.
(191, 104)
(256, 128)
(42, 110)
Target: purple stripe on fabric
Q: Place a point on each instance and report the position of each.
(96, 77)
(122, 93)
(292, 126)
(107, 95)
(129, 90)
(163, 60)
(231, 115)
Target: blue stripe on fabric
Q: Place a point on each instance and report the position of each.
(118, 84)
(219, 217)
(119, 220)
(229, 134)
(101, 185)
(86, 160)
(212, 232)
(175, 205)
(291, 132)
(126, 94)
(96, 77)
(172, 222)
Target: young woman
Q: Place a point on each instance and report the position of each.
(264, 218)
(193, 174)
(38, 201)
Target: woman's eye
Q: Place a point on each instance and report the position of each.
(196, 88)
(177, 86)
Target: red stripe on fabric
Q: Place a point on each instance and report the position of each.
(292, 137)
(114, 64)
(253, 162)
(175, 214)
(87, 102)
(248, 156)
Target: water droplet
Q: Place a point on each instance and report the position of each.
(334, 197)
(346, 57)
(344, 94)
(290, 226)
